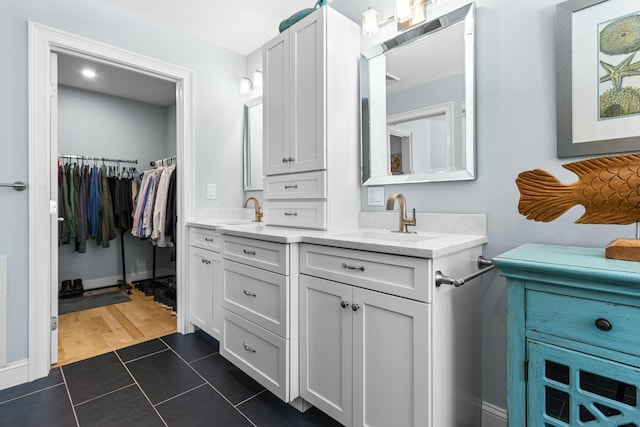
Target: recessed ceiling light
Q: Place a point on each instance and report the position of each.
(90, 74)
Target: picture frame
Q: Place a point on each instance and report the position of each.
(592, 77)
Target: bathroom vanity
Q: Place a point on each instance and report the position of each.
(347, 320)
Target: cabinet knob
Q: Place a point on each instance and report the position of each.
(285, 160)
(355, 307)
(344, 304)
(603, 324)
(290, 159)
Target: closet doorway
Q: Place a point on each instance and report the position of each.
(114, 279)
(44, 44)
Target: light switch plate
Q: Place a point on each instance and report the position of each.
(211, 191)
(375, 196)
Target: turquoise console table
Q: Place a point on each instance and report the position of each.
(573, 337)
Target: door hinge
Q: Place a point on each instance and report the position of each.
(54, 323)
(53, 90)
(526, 370)
(53, 207)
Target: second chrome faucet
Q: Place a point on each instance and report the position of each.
(405, 221)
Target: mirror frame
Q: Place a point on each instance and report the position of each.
(251, 183)
(464, 14)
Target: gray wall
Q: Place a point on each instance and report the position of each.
(217, 118)
(93, 124)
(516, 131)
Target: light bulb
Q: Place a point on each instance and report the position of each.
(245, 85)
(403, 10)
(257, 79)
(370, 22)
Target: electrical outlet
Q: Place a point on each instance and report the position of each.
(211, 191)
(375, 196)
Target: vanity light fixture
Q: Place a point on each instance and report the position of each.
(245, 85)
(257, 79)
(370, 22)
(88, 73)
(403, 10)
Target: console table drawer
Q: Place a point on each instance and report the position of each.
(393, 274)
(594, 322)
(257, 295)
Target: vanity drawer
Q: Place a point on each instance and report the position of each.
(310, 185)
(575, 318)
(257, 295)
(302, 214)
(205, 239)
(393, 274)
(259, 353)
(257, 253)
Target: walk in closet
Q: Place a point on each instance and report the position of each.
(118, 136)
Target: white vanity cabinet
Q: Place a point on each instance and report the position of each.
(260, 334)
(206, 278)
(311, 116)
(381, 345)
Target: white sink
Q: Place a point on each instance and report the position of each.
(388, 236)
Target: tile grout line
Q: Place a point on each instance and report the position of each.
(251, 397)
(32, 393)
(104, 394)
(141, 390)
(181, 394)
(146, 355)
(66, 386)
(210, 385)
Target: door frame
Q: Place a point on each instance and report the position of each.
(42, 41)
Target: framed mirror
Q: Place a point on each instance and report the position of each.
(418, 106)
(253, 144)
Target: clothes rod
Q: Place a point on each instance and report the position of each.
(163, 162)
(98, 159)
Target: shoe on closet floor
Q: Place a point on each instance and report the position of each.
(77, 288)
(66, 289)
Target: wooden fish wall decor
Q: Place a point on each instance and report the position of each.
(607, 187)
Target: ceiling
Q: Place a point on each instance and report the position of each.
(240, 26)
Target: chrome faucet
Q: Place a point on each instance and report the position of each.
(404, 221)
(258, 217)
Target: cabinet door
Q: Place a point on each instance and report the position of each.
(307, 42)
(202, 288)
(391, 361)
(570, 388)
(216, 304)
(276, 105)
(325, 347)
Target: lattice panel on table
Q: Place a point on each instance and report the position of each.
(567, 388)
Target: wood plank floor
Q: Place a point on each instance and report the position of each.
(89, 333)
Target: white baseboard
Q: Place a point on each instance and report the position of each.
(102, 282)
(14, 373)
(493, 416)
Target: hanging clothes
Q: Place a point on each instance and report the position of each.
(171, 217)
(64, 210)
(106, 226)
(160, 207)
(94, 203)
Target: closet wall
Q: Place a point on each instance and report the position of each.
(94, 124)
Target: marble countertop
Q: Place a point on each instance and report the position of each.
(423, 244)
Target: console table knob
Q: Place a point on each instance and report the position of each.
(603, 324)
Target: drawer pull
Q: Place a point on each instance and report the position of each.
(249, 294)
(355, 307)
(208, 239)
(344, 304)
(250, 349)
(291, 214)
(290, 159)
(603, 324)
(285, 160)
(286, 187)
(248, 252)
(352, 267)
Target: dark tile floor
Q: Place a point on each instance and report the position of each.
(177, 380)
